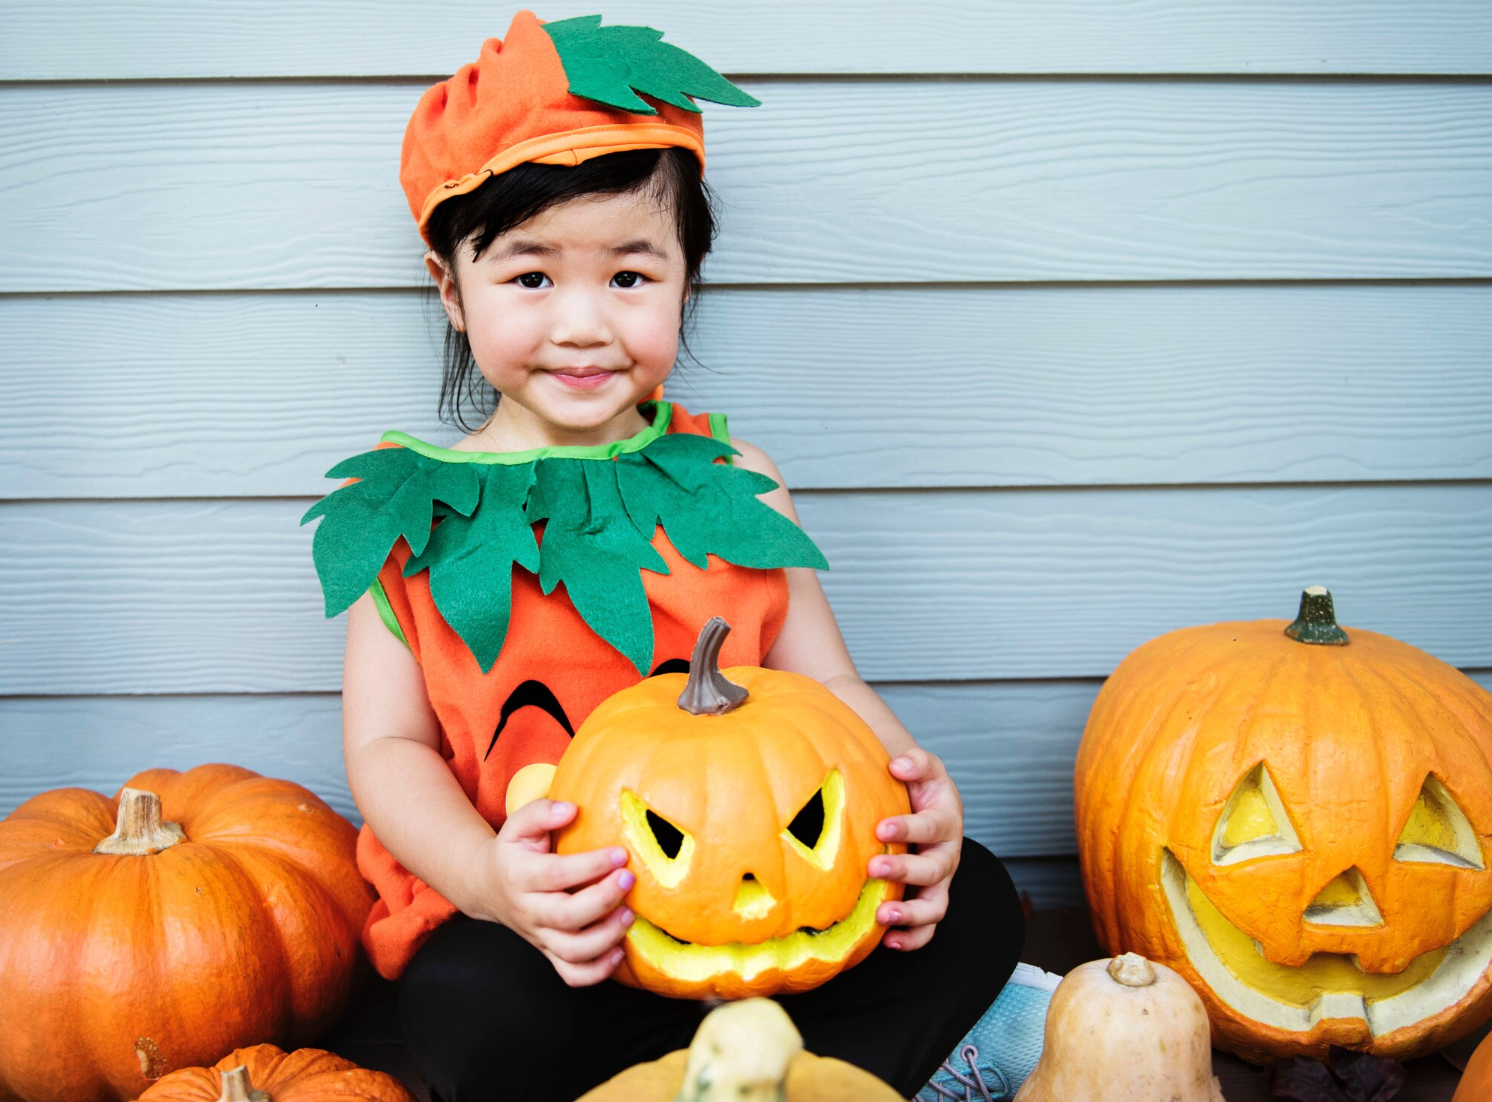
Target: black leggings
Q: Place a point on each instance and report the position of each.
(488, 1019)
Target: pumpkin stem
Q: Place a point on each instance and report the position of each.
(237, 1088)
(1132, 970)
(1316, 622)
(708, 692)
(139, 831)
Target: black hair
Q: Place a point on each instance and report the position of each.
(511, 198)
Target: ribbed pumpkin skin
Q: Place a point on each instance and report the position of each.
(120, 968)
(306, 1075)
(733, 782)
(1348, 735)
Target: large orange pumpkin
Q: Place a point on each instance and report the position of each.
(265, 1073)
(748, 800)
(1295, 818)
(193, 913)
(1476, 1080)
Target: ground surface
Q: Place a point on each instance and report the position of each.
(1057, 941)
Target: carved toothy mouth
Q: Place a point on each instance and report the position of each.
(1328, 985)
(685, 960)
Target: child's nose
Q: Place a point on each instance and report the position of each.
(579, 321)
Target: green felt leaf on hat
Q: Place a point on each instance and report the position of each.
(591, 544)
(607, 64)
(395, 496)
(471, 560)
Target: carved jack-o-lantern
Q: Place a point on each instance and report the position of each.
(749, 806)
(1296, 820)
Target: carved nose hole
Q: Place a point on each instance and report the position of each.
(1345, 901)
(753, 900)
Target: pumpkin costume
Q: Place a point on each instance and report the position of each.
(651, 536)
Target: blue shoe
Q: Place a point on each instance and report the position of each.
(993, 1060)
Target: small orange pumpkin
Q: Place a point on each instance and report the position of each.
(193, 913)
(749, 806)
(265, 1073)
(1295, 817)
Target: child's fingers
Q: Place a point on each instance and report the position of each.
(591, 942)
(926, 868)
(905, 940)
(929, 907)
(552, 872)
(532, 822)
(562, 911)
(934, 824)
(915, 764)
(588, 973)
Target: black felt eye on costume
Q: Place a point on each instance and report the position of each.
(669, 838)
(808, 825)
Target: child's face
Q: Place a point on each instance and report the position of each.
(593, 283)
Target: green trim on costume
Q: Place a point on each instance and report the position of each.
(662, 417)
(386, 611)
(469, 518)
(721, 431)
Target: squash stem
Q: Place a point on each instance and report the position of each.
(237, 1088)
(708, 692)
(1132, 970)
(139, 830)
(1316, 622)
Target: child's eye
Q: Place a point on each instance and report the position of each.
(629, 279)
(524, 279)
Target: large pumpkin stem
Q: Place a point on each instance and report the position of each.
(139, 831)
(237, 1088)
(1316, 622)
(708, 692)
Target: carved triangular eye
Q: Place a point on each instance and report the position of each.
(1438, 831)
(1345, 901)
(1254, 823)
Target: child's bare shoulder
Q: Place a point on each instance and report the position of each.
(752, 458)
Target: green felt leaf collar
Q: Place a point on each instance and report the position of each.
(600, 514)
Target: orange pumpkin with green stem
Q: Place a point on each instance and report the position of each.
(193, 913)
(748, 799)
(1295, 817)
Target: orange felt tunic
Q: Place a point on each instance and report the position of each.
(552, 670)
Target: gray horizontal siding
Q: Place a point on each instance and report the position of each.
(1058, 347)
(175, 395)
(295, 184)
(219, 596)
(112, 39)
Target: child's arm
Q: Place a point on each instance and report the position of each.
(810, 643)
(416, 808)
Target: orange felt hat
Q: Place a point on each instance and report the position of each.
(556, 93)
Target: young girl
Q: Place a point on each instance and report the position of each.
(567, 219)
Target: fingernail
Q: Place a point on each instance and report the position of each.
(562, 808)
(618, 857)
(893, 916)
(878, 868)
(887, 832)
(626, 880)
(625, 916)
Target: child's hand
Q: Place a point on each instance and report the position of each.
(936, 831)
(579, 931)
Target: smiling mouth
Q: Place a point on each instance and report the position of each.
(1328, 985)
(684, 960)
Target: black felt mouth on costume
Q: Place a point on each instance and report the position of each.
(528, 694)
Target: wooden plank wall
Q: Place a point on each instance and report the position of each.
(1068, 323)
